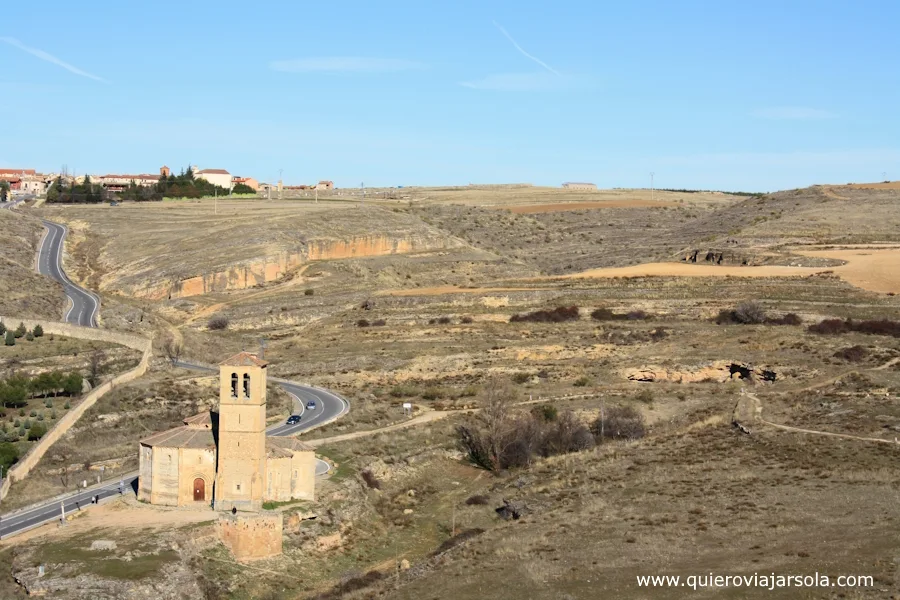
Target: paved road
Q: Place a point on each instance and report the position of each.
(328, 404)
(84, 305)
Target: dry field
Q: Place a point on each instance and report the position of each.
(25, 293)
(430, 324)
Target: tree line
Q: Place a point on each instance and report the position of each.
(183, 185)
(15, 391)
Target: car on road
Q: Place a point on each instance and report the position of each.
(293, 419)
(311, 405)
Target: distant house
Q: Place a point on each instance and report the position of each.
(248, 181)
(574, 185)
(325, 185)
(219, 177)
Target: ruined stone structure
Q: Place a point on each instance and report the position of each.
(251, 536)
(224, 457)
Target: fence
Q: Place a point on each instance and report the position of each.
(21, 469)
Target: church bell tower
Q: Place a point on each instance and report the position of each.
(241, 458)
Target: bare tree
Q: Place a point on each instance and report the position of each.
(172, 348)
(96, 367)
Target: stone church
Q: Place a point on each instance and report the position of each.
(224, 458)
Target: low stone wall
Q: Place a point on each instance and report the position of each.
(251, 536)
(21, 469)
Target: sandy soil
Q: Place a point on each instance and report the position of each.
(117, 514)
(875, 269)
(891, 185)
(523, 209)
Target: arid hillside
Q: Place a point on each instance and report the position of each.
(25, 293)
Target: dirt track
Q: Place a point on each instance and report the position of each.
(874, 269)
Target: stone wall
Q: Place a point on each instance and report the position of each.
(251, 536)
(21, 469)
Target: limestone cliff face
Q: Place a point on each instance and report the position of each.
(272, 268)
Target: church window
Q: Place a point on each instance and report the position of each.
(234, 385)
(246, 385)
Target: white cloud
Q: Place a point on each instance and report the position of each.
(361, 64)
(797, 113)
(50, 58)
(520, 49)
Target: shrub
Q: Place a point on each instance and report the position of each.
(27, 424)
(217, 323)
(873, 327)
(22, 431)
(379, 323)
(36, 432)
(432, 393)
(466, 320)
(637, 315)
(371, 481)
(521, 377)
(17, 423)
(403, 391)
(38, 331)
(29, 336)
(32, 414)
(477, 500)
(20, 331)
(556, 315)
(2, 328)
(67, 406)
(444, 321)
(10, 339)
(566, 434)
(788, 319)
(619, 423)
(309, 292)
(545, 412)
(645, 396)
(603, 314)
(362, 323)
(582, 381)
(852, 354)
(53, 415)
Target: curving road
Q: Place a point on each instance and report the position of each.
(83, 305)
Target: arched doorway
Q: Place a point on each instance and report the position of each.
(199, 490)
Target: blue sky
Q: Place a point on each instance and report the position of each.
(756, 95)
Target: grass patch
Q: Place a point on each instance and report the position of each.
(343, 470)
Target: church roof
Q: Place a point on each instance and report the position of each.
(204, 420)
(182, 437)
(278, 447)
(243, 359)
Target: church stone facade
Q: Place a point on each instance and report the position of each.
(224, 458)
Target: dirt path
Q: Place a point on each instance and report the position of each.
(428, 417)
(874, 268)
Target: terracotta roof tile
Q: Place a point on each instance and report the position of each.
(243, 359)
(182, 437)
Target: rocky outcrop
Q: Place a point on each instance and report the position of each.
(272, 268)
(718, 371)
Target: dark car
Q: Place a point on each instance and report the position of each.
(311, 405)
(293, 419)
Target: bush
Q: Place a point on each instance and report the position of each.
(10, 339)
(20, 331)
(466, 320)
(32, 414)
(38, 331)
(379, 323)
(556, 315)
(545, 412)
(29, 336)
(477, 500)
(9, 455)
(309, 292)
(637, 315)
(852, 354)
(603, 314)
(2, 328)
(566, 434)
(619, 423)
(582, 381)
(444, 321)
(873, 327)
(521, 377)
(432, 393)
(788, 319)
(403, 391)
(370, 479)
(645, 396)
(36, 432)
(67, 406)
(27, 424)
(362, 323)
(217, 323)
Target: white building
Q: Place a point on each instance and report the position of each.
(219, 177)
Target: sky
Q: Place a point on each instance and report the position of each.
(751, 96)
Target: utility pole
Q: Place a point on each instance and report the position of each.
(884, 176)
(317, 194)
(651, 185)
(362, 186)
(216, 199)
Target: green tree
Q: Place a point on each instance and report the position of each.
(4, 190)
(29, 336)
(20, 330)
(2, 328)
(10, 338)
(38, 331)
(9, 455)
(72, 384)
